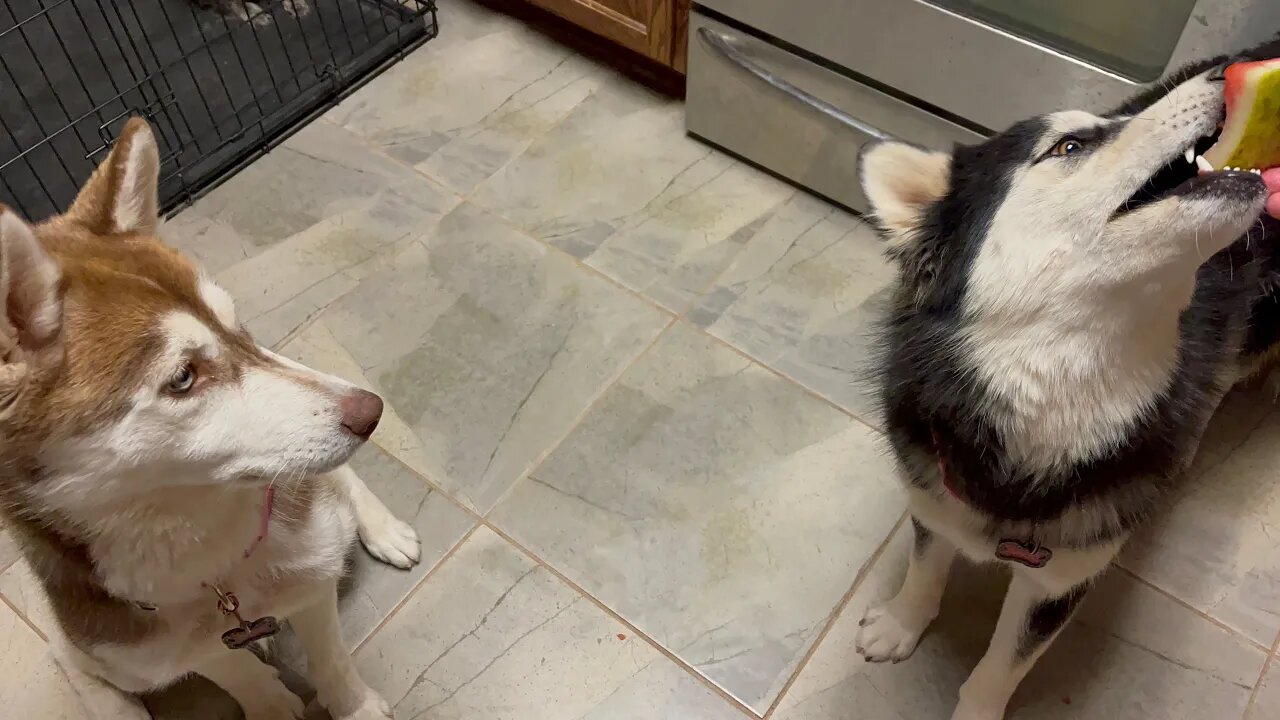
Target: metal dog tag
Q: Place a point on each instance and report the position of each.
(1033, 556)
(248, 630)
(238, 637)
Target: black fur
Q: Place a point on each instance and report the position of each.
(934, 402)
(936, 264)
(1045, 619)
(922, 536)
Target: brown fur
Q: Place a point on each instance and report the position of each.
(116, 283)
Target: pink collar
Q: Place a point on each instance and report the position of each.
(268, 503)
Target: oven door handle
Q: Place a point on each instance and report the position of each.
(724, 46)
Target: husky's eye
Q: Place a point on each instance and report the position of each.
(182, 380)
(1067, 146)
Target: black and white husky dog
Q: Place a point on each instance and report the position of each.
(1073, 302)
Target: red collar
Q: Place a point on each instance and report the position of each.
(1024, 552)
(268, 503)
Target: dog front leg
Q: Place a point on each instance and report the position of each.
(330, 668)
(252, 683)
(385, 536)
(892, 631)
(1029, 621)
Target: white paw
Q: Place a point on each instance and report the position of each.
(392, 541)
(888, 633)
(373, 708)
(274, 702)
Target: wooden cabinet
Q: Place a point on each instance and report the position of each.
(653, 28)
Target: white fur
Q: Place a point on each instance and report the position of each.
(28, 279)
(1075, 314)
(136, 205)
(171, 495)
(1071, 320)
(168, 499)
(986, 692)
(268, 425)
(255, 685)
(219, 301)
(385, 536)
(900, 182)
(892, 630)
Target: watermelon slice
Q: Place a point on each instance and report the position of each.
(1250, 137)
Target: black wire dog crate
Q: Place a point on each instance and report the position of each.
(221, 81)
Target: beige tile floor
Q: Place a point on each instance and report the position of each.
(625, 414)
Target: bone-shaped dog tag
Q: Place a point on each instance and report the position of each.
(1033, 556)
(238, 637)
(247, 631)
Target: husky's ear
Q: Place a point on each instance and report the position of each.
(901, 181)
(31, 286)
(121, 196)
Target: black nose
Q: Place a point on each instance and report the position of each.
(1218, 73)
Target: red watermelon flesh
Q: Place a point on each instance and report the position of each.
(1251, 134)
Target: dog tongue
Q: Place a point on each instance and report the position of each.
(1272, 179)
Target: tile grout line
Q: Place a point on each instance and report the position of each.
(737, 704)
(483, 518)
(582, 416)
(680, 314)
(431, 484)
(1262, 676)
(377, 150)
(593, 271)
(481, 521)
(459, 503)
(835, 616)
(785, 377)
(674, 317)
(677, 316)
(23, 617)
(1195, 610)
(467, 199)
(414, 590)
(304, 326)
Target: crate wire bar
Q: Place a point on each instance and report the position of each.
(221, 81)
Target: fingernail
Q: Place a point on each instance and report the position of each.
(1272, 179)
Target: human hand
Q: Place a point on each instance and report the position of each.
(1272, 179)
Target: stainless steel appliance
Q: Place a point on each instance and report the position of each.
(798, 86)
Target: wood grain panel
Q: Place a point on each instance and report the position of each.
(641, 25)
(680, 35)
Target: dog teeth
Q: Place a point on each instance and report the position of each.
(1190, 155)
(1203, 164)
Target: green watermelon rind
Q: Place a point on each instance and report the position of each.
(1259, 143)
